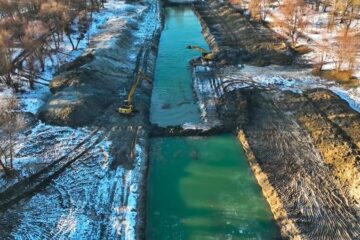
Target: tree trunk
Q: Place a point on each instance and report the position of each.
(71, 41)
(11, 148)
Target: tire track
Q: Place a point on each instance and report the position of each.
(41, 179)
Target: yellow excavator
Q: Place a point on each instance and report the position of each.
(205, 55)
(128, 108)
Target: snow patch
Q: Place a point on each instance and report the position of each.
(284, 78)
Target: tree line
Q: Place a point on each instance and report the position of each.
(292, 18)
(32, 30)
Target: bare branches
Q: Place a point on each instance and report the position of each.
(30, 29)
(293, 19)
(11, 122)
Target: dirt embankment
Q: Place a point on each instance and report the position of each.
(100, 79)
(303, 149)
(88, 92)
(233, 39)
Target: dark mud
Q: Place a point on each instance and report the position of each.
(233, 39)
(304, 157)
(196, 130)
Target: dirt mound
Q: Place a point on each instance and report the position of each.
(234, 39)
(334, 128)
(304, 156)
(84, 88)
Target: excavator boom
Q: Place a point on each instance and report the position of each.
(200, 49)
(205, 55)
(128, 108)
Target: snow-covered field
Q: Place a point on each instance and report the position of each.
(32, 100)
(284, 78)
(318, 36)
(90, 199)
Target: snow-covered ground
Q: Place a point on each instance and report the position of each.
(32, 100)
(315, 34)
(318, 36)
(284, 78)
(90, 199)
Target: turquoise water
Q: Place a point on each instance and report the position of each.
(198, 187)
(203, 188)
(172, 100)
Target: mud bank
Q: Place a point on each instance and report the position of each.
(307, 166)
(186, 130)
(302, 148)
(100, 78)
(233, 39)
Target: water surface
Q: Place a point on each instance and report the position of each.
(203, 188)
(172, 100)
(198, 188)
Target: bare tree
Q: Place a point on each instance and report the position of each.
(12, 122)
(293, 19)
(31, 30)
(323, 53)
(255, 9)
(346, 50)
(259, 9)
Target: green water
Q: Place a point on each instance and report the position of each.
(172, 100)
(203, 188)
(198, 188)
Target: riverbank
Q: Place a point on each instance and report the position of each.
(86, 179)
(233, 39)
(310, 190)
(300, 138)
(302, 144)
(301, 150)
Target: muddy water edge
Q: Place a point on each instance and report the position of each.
(198, 187)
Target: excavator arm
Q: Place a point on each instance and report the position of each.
(208, 56)
(128, 108)
(200, 49)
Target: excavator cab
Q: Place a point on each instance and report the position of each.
(127, 108)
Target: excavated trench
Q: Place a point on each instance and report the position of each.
(198, 187)
(303, 149)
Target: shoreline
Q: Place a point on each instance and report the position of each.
(286, 225)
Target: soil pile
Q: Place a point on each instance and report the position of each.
(234, 39)
(103, 75)
(304, 155)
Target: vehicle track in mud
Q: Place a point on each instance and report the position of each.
(306, 198)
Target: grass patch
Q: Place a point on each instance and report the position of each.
(345, 78)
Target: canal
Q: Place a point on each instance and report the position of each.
(198, 187)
